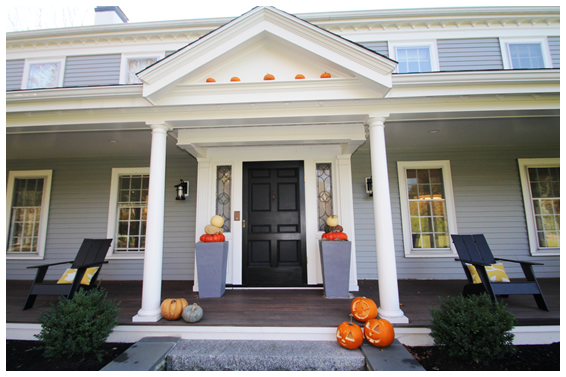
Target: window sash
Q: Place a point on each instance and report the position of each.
(44, 75)
(136, 65)
(131, 211)
(414, 59)
(545, 196)
(525, 55)
(224, 194)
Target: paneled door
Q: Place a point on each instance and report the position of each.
(273, 234)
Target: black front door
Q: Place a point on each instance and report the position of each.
(274, 248)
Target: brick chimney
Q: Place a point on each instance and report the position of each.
(109, 15)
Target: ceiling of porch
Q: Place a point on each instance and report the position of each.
(537, 129)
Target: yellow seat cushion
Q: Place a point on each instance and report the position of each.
(70, 273)
(495, 272)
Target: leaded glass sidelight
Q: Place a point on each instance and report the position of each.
(223, 194)
(324, 191)
(545, 192)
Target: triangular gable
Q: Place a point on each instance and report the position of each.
(267, 40)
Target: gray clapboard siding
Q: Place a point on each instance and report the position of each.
(14, 74)
(90, 70)
(469, 54)
(79, 209)
(379, 47)
(488, 200)
(554, 45)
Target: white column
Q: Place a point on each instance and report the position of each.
(389, 307)
(153, 256)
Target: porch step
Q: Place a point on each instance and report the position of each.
(146, 355)
(392, 358)
(263, 355)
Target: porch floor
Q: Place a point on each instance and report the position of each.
(289, 307)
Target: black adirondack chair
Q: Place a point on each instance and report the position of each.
(91, 254)
(474, 250)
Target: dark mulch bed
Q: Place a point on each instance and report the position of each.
(524, 357)
(25, 355)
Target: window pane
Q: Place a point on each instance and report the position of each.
(429, 223)
(135, 66)
(25, 215)
(526, 55)
(545, 184)
(43, 75)
(224, 194)
(132, 212)
(324, 184)
(413, 59)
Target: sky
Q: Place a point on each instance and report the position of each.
(33, 14)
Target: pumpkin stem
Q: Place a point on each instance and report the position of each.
(351, 315)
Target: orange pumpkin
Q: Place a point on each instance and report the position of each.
(235, 78)
(349, 335)
(269, 76)
(172, 308)
(363, 309)
(325, 75)
(210, 79)
(379, 332)
(212, 238)
(299, 76)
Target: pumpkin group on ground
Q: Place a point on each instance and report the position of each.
(192, 313)
(213, 231)
(363, 309)
(349, 335)
(333, 231)
(379, 332)
(172, 308)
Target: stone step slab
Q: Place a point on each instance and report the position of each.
(264, 355)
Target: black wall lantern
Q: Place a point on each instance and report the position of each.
(182, 190)
(369, 186)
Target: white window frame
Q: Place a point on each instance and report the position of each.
(506, 56)
(432, 48)
(30, 62)
(126, 57)
(410, 252)
(113, 211)
(45, 200)
(524, 164)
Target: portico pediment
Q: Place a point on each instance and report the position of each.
(267, 41)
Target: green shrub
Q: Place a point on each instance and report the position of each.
(473, 328)
(77, 327)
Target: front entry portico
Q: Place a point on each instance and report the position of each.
(313, 121)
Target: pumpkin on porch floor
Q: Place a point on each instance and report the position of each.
(349, 335)
(363, 309)
(192, 313)
(379, 332)
(172, 308)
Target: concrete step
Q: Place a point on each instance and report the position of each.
(263, 355)
(146, 355)
(392, 358)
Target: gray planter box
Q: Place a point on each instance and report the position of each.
(335, 258)
(212, 259)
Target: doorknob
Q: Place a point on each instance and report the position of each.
(243, 223)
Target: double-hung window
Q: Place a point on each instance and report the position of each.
(427, 206)
(530, 53)
(414, 57)
(45, 73)
(540, 182)
(127, 212)
(132, 64)
(27, 207)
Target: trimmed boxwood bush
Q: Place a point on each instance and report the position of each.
(77, 327)
(473, 328)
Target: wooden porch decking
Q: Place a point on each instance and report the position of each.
(289, 307)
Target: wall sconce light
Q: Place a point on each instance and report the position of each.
(182, 190)
(369, 186)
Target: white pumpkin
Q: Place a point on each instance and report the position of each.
(332, 221)
(217, 221)
(192, 313)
